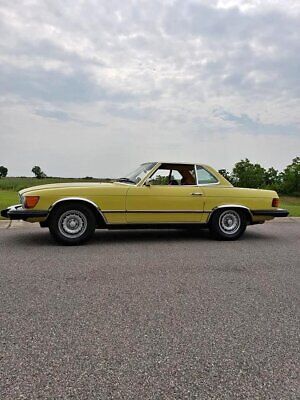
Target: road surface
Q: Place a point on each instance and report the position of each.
(150, 315)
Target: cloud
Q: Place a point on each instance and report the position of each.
(165, 73)
(255, 126)
(62, 116)
(56, 86)
(55, 114)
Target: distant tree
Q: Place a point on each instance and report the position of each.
(272, 178)
(160, 180)
(3, 171)
(226, 174)
(39, 174)
(246, 174)
(291, 177)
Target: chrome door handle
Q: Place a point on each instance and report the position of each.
(197, 194)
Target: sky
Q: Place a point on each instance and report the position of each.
(96, 87)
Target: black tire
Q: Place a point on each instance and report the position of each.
(72, 223)
(228, 224)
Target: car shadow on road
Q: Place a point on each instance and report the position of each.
(38, 237)
(159, 235)
(145, 235)
(43, 238)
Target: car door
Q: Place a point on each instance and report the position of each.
(164, 202)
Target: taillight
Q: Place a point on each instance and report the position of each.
(275, 203)
(31, 201)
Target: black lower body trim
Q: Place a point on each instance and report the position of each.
(271, 213)
(174, 225)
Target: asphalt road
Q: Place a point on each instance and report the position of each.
(151, 315)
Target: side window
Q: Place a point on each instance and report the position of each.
(175, 178)
(205, 177)
(160, 177)
(174, 174)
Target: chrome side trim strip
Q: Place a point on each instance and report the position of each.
(156, 211)
(113, 211)
(157, 223)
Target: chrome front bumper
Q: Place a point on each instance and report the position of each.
(18, 212)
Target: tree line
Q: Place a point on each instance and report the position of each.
(36, 170)
(244, 174)
(247, 174)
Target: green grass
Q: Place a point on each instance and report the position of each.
(17, 183)
(8, 198)
(292, 204)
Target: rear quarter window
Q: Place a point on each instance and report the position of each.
(204, 177)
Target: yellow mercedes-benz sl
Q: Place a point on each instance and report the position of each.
(155, 195)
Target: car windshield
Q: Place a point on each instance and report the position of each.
(138, 174)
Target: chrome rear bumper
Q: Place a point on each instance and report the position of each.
(271, 213)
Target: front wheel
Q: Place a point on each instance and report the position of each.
(228, 224)
(72, 224)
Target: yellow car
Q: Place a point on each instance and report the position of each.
(155, 195)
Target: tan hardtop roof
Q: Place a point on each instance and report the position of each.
(176, 162)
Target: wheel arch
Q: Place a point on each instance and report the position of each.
(100, 219)
(245, 209)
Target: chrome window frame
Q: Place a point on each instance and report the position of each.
(156, 167)
(152, 172)
(142, 180)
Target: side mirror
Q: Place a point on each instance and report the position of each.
(147, 183)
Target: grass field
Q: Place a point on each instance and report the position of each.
(8, 198)
(17, 183)
(292, 204)
(10, 186)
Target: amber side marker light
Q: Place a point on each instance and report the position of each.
(275, 203)
(31, 201)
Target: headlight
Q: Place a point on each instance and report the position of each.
(21, 199)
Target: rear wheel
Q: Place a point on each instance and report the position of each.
(228, 224)
(72, 223)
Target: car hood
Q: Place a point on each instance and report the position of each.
(68, 185)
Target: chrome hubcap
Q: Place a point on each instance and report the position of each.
(229, 222)
(72, 224)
